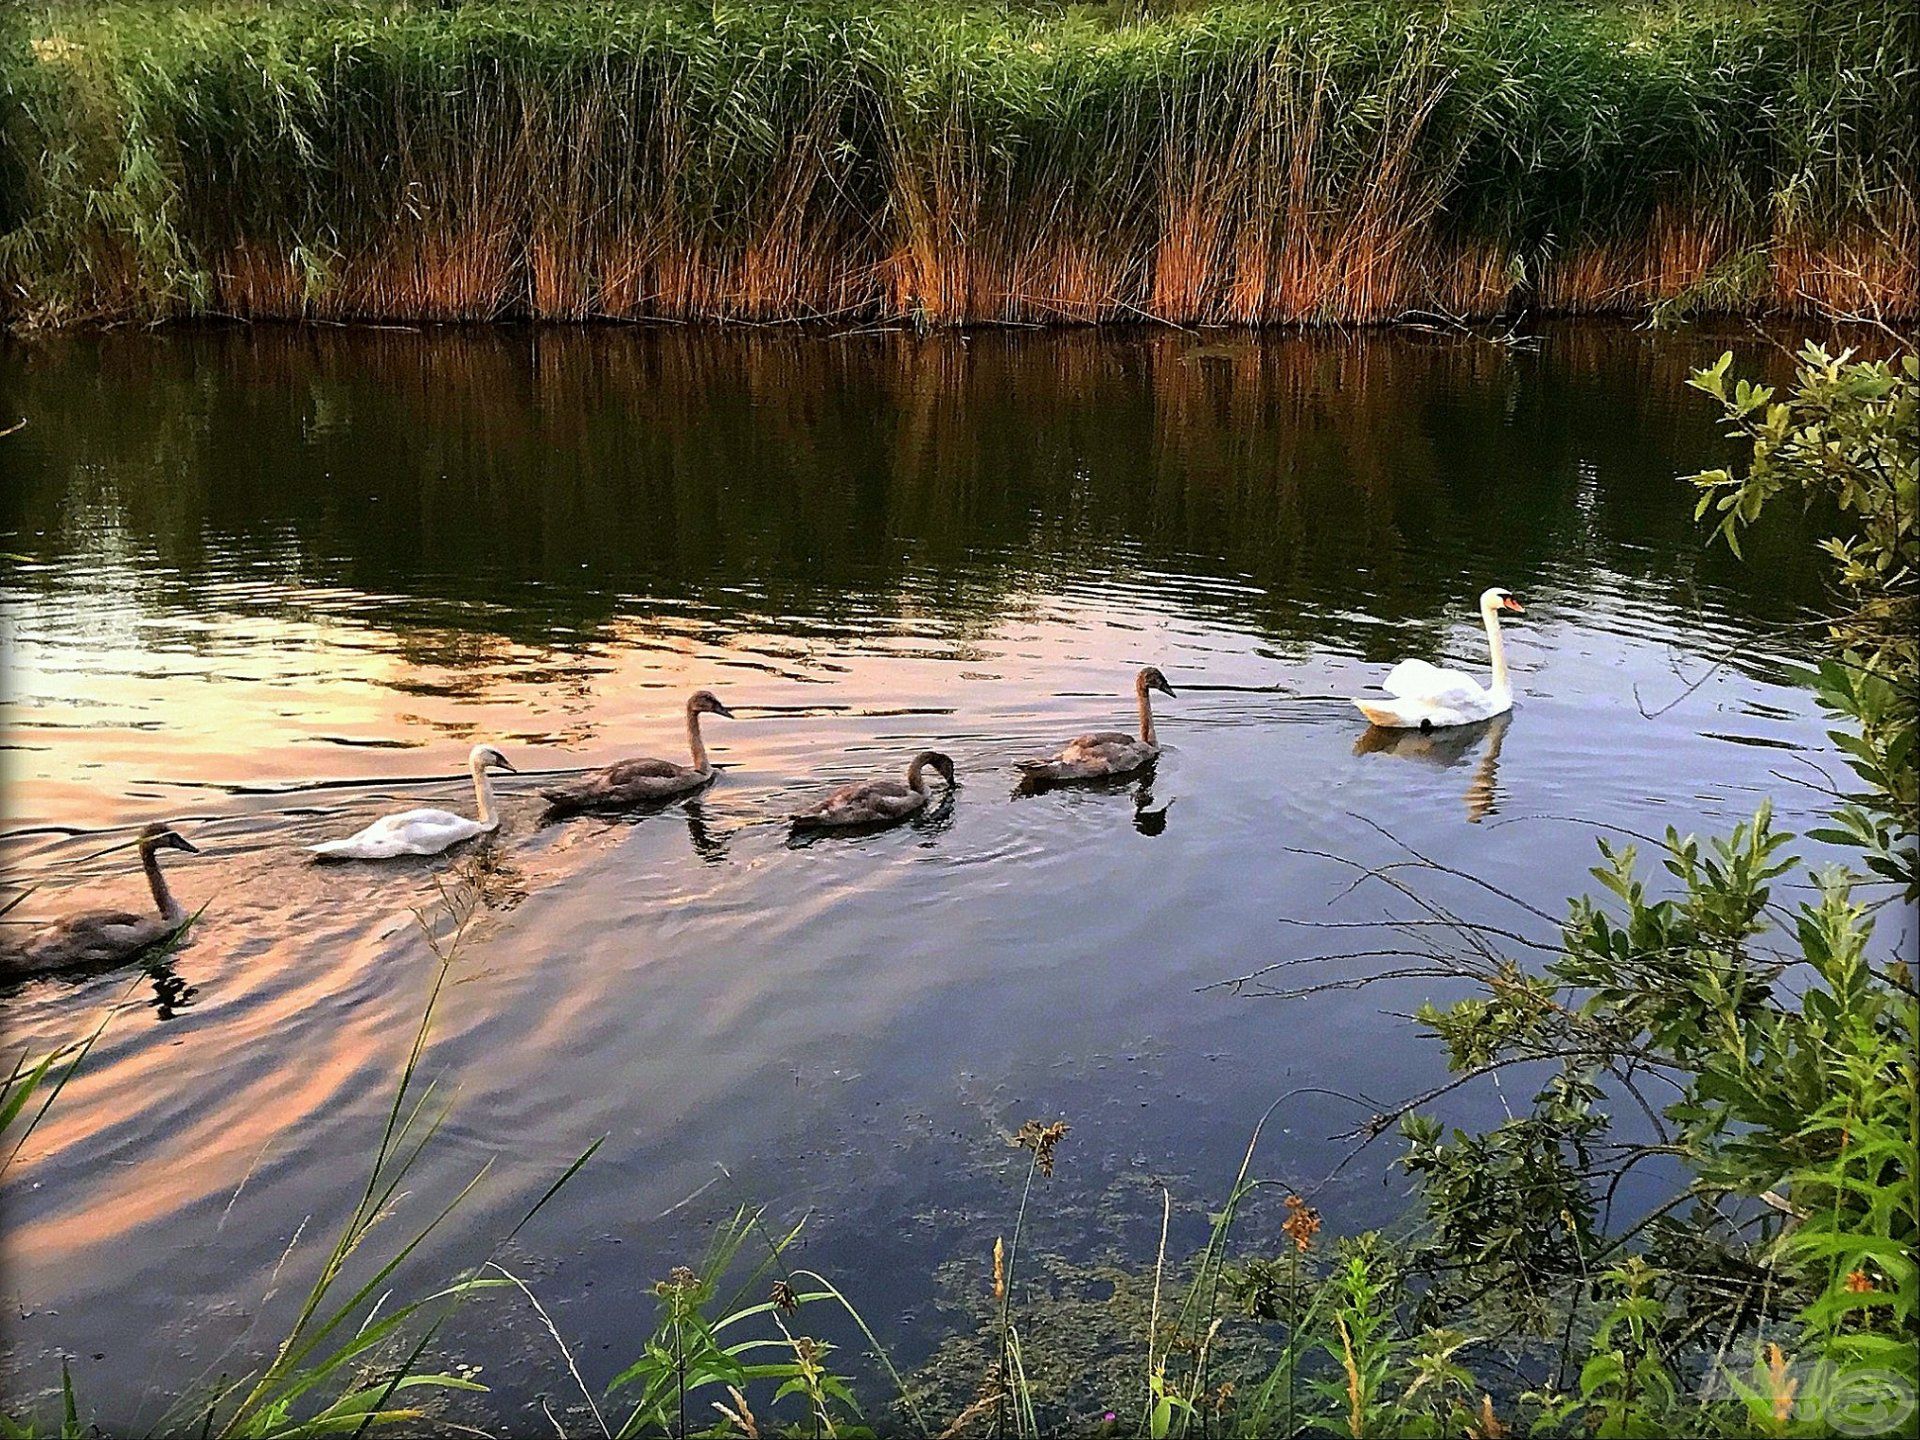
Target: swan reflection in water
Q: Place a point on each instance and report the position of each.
(172, 993)
(1146, 819)
(710, 842)
(1138, 784)
(1446, 749)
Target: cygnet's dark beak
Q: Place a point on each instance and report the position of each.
(1165, 689)
(180, 842)
(505, 764)
(720, 709)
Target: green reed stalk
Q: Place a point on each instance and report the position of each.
(1012, 1376)
(1219, 162)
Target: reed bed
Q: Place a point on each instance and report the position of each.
(1210, 163)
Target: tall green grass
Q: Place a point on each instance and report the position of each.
(953, 163)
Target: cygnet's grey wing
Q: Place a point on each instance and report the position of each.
(863, 801)
(94, 936)
(621, 784)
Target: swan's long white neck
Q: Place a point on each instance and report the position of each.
(1498, 646)
(695, 743)
(483, 795)
(1146, 715)
(162, 897)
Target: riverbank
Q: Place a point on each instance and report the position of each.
(1204, 164)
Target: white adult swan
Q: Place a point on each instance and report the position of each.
(1425, 697)
(103, 937)
(424, 832)
(1107, 752)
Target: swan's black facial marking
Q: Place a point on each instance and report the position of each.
(158, 836)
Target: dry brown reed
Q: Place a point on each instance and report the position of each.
(1221, 165)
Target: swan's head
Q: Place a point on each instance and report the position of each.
(1498, 599)
(937, 761)
(486, 757)
(705, 702)
(1151, 679)
(162, 837)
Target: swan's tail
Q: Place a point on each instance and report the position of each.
(330, 849)
(1384, 713)
(1040, 769)
(565, 799)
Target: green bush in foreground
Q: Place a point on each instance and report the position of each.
(1757, 1041)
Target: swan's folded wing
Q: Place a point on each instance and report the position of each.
(628, 772)
(103, 919)
(836, 805)
(1411, 679)
(620, 783)
(1417, 680)
(405, 823)
(411, 832)
(1101, 745)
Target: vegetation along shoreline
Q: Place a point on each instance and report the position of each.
(1207, 163)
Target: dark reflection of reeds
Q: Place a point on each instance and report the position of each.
(829, 478)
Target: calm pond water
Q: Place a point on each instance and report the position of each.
(272, 582)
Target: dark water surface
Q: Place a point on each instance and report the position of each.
(277, 581)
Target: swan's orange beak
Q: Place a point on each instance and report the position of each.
(1509, 603)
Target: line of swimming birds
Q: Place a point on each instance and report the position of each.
(1419, 696)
